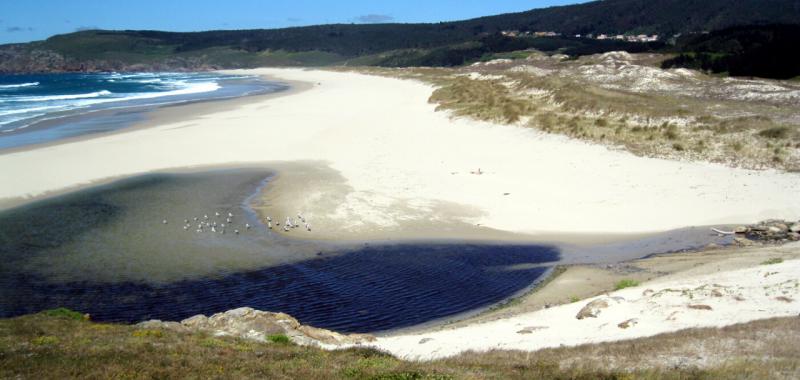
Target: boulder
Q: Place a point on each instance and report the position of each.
(741, 230)
(795, 227)
(246, 322)
(742, 241)
(629, 323)
(592, 309)
(196, 322)
(700, 307)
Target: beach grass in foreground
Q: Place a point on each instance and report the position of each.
(56, 344)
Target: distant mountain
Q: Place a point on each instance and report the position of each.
(449, 43)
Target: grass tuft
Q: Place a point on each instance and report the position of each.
(279, 339)
(774, 260)
(63, 312)
(625, 283)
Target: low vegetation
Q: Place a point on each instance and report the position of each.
(628, 102)
(625, 283)
(774, 260)
(53, 346)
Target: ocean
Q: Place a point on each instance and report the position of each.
(41, 108)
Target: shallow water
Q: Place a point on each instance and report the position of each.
(105, 251)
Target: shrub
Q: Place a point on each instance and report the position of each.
(147, 333)
(63, 312)
(574, 299)
(45, 341)
(279, 339)
(625, 283)
(678, 146)
(775, 133)
(774, 260)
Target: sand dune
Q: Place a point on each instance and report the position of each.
(396, 162)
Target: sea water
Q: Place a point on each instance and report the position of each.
(43, 108)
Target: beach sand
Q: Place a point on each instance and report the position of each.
(368, 158)
(392, 167)
(708, 289)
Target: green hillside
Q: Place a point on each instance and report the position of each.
(440, 44)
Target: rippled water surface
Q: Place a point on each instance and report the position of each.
(107, 252)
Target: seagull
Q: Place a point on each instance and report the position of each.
(247, 225)
(216, 214)
(228, 220)
(236, 231)
(164, 221)
(269, 225)
(269, 219)
(186, 221)
(186, 228)
(213, 229)
(230, 215)
(205, 216)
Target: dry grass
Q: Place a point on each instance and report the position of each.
(45, 347)
(666, 124)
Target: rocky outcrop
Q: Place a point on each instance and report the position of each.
(592, 309)
(258, 325)
(19, 58)
(772, 231)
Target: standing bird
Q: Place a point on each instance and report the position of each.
(247, 226)
(269, 225)
(164, 221)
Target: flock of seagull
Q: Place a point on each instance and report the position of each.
(215, 225)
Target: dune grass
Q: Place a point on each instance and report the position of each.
(658, 124)
(625, 283)
(52, 346)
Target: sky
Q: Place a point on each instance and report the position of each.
(30, 20)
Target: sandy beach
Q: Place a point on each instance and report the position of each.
(733, 287)
(391, 166)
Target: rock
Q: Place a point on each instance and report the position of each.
(531, 329)
(716, 293)
(254, 324)
(629, 323)
(793, 236)
(700, 307)
(795, 227)
(784, 299)
(742, 241)
(425, 340)
(647, 292)
(196, 322)
(741, 230)
(781, 227)
(592, 309)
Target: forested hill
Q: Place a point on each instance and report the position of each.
(440, 44)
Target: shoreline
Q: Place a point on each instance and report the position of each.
(158, 114)
(710, 277)
(530, 183)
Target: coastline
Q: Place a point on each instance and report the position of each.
(709, 288)
(408, 174)
(360, 180)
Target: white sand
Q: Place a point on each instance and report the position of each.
(392, 148)
(657, 307)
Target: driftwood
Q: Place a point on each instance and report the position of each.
(721, 232)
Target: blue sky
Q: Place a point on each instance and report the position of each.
(28, 20)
